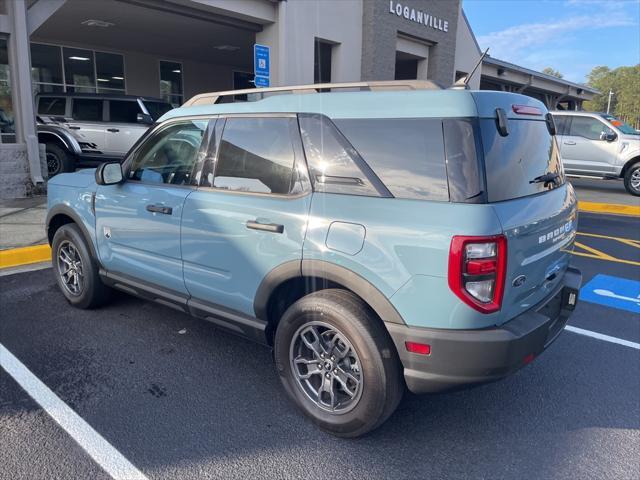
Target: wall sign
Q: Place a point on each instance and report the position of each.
(261, 65)
(418, 16)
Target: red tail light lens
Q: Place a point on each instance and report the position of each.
(477, 269)
(526, 110)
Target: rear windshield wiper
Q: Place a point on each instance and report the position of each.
(547, 178)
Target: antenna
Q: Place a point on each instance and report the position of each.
(464, 81)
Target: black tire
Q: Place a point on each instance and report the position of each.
(92, 292)
(632, 179)
(381, 383)
(58, 160)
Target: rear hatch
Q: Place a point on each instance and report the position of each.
(526, 186)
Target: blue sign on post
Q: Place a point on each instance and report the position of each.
(612, 292)
(261, 65)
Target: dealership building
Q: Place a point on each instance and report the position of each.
(175, 49)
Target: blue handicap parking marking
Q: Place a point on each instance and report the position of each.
(615, 292)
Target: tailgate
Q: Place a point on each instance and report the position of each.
(540, 232)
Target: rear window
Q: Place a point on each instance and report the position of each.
(515, 164)
(407, 154)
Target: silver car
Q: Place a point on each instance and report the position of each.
(599, 145)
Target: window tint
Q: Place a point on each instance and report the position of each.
(588, 128)
(87, 109)
(407, 154)
(332, 161)
(122, 111)
(52, 105)
(463, 167)
(256, 155)
(157, 109)
(513, 163)
(563, 122)
(169, 155)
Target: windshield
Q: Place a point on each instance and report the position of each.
(525, 162)
(620, 125)
(157, 109)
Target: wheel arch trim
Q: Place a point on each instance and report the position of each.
(68, 212)
(327, 271)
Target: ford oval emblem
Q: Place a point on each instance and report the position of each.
(519, 281)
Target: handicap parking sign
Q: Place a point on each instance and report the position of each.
(614, 292)
(261, 60)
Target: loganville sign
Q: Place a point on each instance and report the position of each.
(418, 16)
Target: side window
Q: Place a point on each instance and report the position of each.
(87, 109)
(332, 161)
(123, 111)
(588, 127)
(52, 106)
(256, 155)
(170, 155)
(406, 153)
(463, 168)
(563, 122)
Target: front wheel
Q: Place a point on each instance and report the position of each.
(75, 269)
(338, 363)
(632, 179)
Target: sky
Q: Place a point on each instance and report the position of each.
(571, 36)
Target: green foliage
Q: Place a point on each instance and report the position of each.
(624, 82)
(551, 71)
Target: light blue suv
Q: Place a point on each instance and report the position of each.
(376, 240)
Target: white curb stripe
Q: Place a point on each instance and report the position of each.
(102, 452)
(601, 336)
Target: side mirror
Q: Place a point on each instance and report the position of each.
(109, 174)
(144, 118)
(608, 137)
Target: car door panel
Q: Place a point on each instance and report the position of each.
(138, 222)
(88, 125)
(234, 232)
(122, 130)
(582, 149)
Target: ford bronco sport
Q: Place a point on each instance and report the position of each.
(375, 239)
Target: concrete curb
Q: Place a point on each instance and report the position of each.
(24, 256)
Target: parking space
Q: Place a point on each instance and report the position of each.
(180, 399)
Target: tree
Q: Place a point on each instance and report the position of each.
(624, 82)
(551, 71)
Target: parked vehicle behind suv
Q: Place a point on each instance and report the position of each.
(375, 239)
(599, 145)
(84, 130)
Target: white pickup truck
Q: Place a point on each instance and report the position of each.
(599, 145)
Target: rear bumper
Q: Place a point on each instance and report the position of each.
(462, 358)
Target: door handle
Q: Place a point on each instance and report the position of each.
(159, 209)
(73, 127)
(114, 130)
(267, 227)
(569, 142)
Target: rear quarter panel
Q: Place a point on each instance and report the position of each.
(405, 251)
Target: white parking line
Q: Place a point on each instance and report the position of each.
(601, 336)
(102, 452)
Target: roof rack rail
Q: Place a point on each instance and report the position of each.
(259, 93)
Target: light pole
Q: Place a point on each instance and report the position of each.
(611, 94)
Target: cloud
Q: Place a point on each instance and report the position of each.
(514, 40)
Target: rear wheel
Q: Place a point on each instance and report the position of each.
(58, 160)
(632, 179)
(337, 363)
(75, 269)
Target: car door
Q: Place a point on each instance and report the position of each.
(138, 221)
(248, 218)
(88, 125)
(123, 129)
(585, 150)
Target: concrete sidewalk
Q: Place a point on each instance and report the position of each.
(22, 222)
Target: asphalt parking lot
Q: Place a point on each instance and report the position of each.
(179, 399)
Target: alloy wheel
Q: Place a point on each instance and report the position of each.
(70, 268)
(54, 165)
(326, 367)
(635, 180)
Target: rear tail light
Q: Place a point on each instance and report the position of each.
(477, 268)
(526, 110)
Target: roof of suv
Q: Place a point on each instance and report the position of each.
(580, 113)
(109, 96)
(372, 104)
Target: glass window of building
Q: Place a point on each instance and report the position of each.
(322, 62)
(78, 70)
(7, 132)
(109, 72)
(171, 82)
(46, 68)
